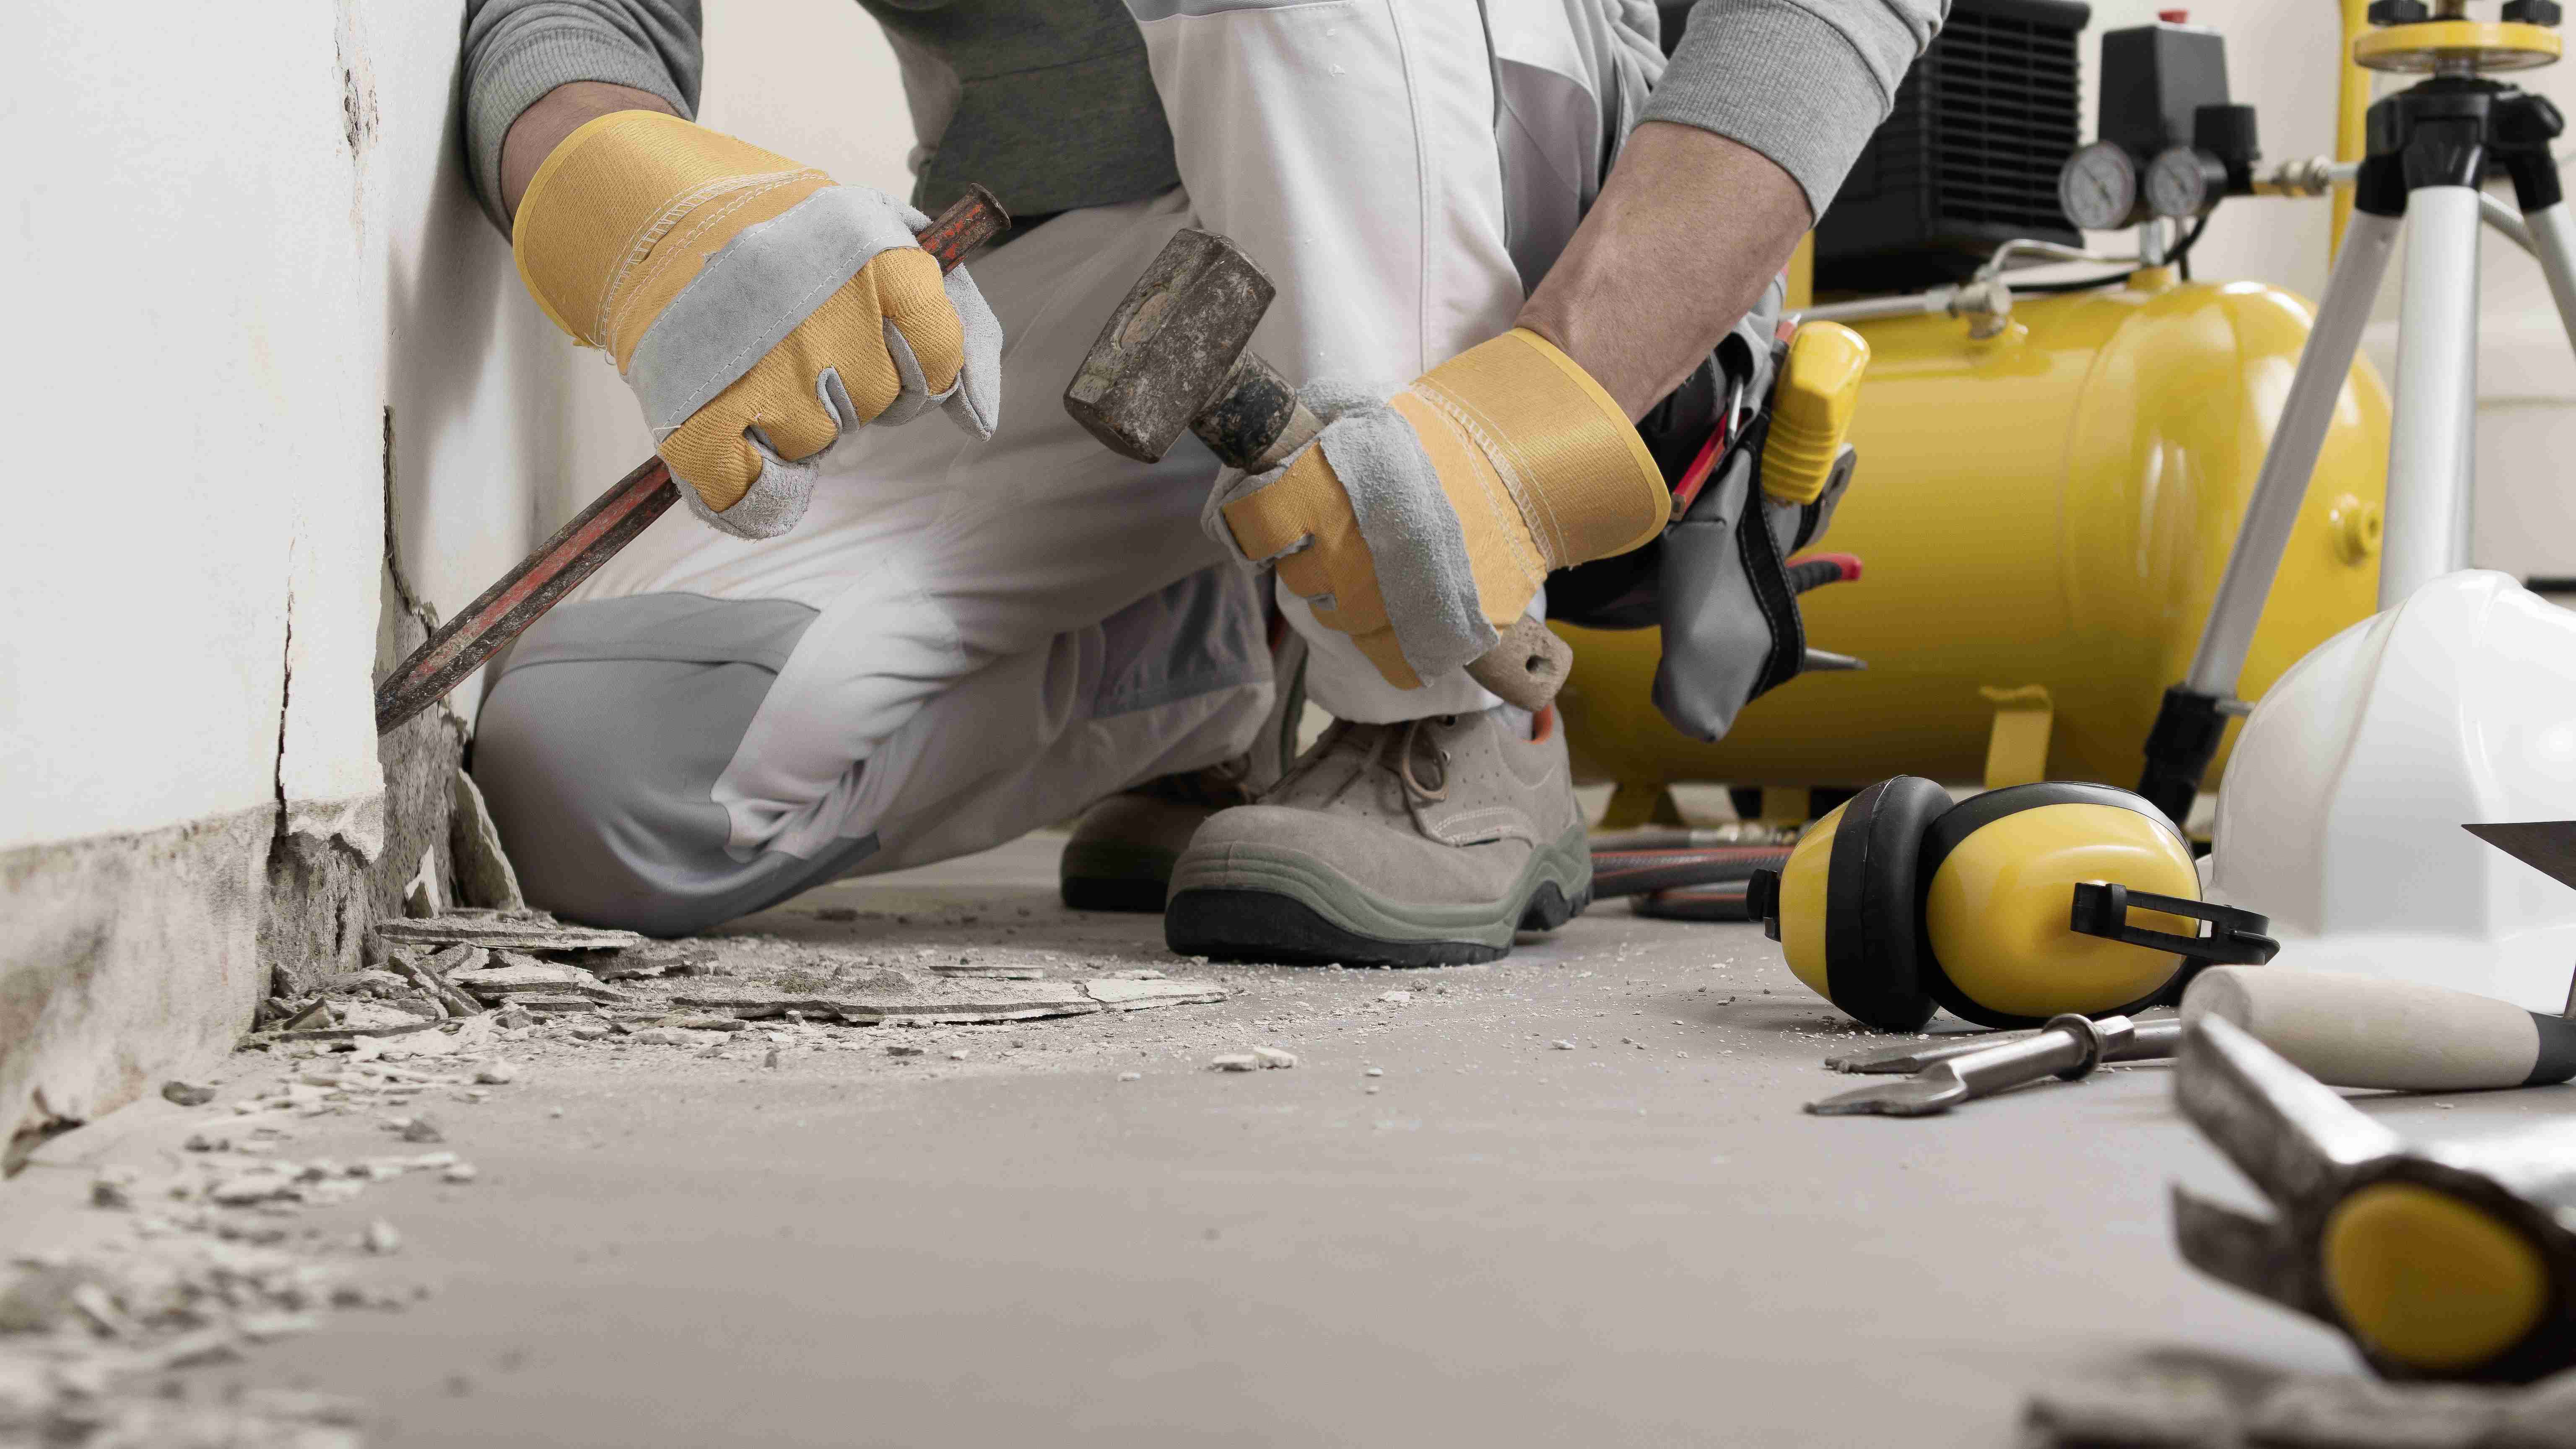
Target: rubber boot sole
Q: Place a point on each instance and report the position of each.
(1304, 915)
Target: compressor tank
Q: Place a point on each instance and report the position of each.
(2052, 506)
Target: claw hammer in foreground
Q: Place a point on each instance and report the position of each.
(1177, 357)
(523, 595)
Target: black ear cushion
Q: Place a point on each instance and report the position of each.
(1966, 819)
(1873, 943)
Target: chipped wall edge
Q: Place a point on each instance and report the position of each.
(133, 958)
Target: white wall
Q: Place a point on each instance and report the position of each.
(242, 232)
(198, 298)
(2284, 59)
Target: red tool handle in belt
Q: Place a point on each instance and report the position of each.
(594, 536)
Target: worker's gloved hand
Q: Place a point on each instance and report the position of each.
(1423, 523)
(759, 311)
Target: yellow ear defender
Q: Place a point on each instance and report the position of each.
(2007, 908)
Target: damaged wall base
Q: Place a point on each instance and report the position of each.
(135, 958)
(127, 958)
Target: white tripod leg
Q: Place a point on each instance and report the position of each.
(2264, 536)
(2553, 242)
(2431, 462)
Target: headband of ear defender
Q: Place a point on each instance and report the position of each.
(2007, 909)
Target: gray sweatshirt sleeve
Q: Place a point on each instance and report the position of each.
(1804, 82)
(517, 50)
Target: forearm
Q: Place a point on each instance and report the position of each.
(543, 126)
(1687, 232)
(519, 54)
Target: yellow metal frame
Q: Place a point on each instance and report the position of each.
(2487, 45)
(2352, 113)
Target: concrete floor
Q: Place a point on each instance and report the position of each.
(1638, 1241)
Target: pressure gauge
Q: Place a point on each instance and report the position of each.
(2184, 183)
(2098, 187)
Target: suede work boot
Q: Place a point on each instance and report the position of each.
(1420, 844)
(1123, 847)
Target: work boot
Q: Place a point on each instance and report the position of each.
(1419, 844)
(1123, 847)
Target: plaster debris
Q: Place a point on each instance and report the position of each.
(113, 1188)
(1272, 1058)
(512, 974)
(1396, 998)
(496, 1073)
(421, 896)
(1131, 1076)
(529, 931)
(484, 875)
(2186, 1410)
(1560, 1045)
(1240, 1062)
(187, 1094)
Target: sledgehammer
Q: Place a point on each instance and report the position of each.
(1177, 357)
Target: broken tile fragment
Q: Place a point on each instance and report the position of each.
(512, 932)
(1236, 1062)
(1131, 994)
(187, 1094)
(991, 972)
(1272, 1058)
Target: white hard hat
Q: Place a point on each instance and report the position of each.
(2341, 811)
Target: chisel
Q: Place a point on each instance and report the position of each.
(524, 594)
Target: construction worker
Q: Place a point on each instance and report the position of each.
(863, 648)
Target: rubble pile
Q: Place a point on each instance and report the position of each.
(2192, 1410)
(210, 1257)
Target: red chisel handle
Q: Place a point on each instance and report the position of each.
(524, 594)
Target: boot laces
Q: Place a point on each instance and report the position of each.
(1437, 790)
(1371, 741)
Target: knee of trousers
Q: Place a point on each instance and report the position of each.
(599, 774)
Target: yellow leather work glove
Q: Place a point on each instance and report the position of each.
(1422, 525)
(759, 311)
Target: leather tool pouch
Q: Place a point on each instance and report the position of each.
(1727, 597)
(1717, 581)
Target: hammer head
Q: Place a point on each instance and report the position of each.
(1167, 351)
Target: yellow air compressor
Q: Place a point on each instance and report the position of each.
(2043, 512)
